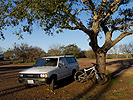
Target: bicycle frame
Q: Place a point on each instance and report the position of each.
(93, 69)
(97, 78)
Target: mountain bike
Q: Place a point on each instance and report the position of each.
(97, 77)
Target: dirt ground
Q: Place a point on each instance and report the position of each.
(120, 87)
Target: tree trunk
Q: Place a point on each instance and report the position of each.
(127, 55)
(101, 61)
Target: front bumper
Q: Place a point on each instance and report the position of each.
(34, 81)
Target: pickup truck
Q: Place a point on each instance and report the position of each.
(49, 70)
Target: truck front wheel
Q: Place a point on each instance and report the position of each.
(27, 85)
(52, 84)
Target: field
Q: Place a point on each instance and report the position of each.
(120, 87)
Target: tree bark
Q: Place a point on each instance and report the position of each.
(101, 61)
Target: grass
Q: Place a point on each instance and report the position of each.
(130, 81)
(82, 58)
(25, 63)
(119, 93)
(113, 81)
(129, 76)
(8, 62)
(85, 97)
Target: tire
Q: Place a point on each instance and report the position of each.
(100, 80)
(73, 73)
(79, 76)
(27, 85)
(52, 84)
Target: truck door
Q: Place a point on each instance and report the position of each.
(63, 69)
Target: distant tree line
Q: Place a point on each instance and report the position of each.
(121, 51)
(71, 49)
(24, 53)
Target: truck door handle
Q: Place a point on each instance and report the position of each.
(65, 67)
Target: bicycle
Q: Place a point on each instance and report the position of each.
(97, 78)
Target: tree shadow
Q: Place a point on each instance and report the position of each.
(11, 69)
(11, 90)
(64, 82)
(5, 62)
(14, 89)
(10, 73)
(122, 66)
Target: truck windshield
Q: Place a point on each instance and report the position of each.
(46, 62)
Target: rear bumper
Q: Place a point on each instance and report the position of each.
(34, 81)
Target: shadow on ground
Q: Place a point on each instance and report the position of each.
(5, 62)
(5, 70)
(122, 66)
(64, 82)
(11, 90)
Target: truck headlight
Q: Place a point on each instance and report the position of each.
(20, 75)
(43, 75)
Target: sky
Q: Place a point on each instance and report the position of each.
(40, 39)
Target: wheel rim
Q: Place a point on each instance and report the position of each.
(79, 76)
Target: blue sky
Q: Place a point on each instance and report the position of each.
(40, 39)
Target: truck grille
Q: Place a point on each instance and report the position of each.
(31, 75)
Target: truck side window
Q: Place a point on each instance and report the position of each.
(61, 61)
(69, 60)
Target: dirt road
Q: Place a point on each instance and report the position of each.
(120, 87)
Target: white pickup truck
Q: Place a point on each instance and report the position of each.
(48, 70)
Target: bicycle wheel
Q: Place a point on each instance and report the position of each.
(98, 80)
(79, 76)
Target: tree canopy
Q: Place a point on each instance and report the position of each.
(71, 49)
(89, 16)
(55, 15)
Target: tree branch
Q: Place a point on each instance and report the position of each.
(105, 28)
(69, 27)
(122, 26)
(91, 5)
(108, 42)
(79, 25)
(123, 34)
(113, 7)
(103, 6)
(82, 10)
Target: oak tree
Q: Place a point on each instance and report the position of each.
(99, 16)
